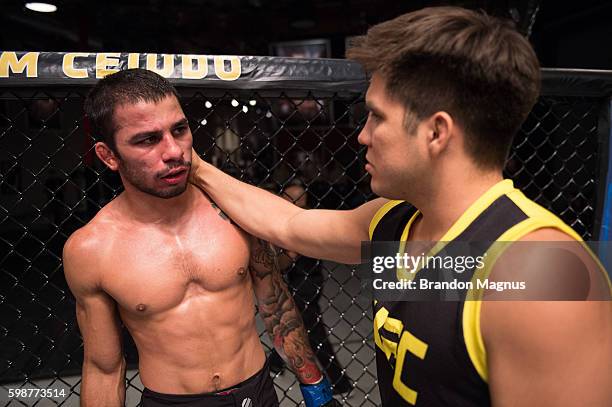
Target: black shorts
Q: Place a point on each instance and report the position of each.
(256, 391)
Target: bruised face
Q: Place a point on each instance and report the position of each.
(153, 143)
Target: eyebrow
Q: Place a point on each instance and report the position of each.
(182, 122)
(135, 138)
(371, 108)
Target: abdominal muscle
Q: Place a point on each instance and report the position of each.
(206, 343)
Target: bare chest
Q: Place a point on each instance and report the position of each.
(152, 271)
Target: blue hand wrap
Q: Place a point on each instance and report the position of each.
(316, 395)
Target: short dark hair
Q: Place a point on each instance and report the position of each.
(129, 86)
(476, 67)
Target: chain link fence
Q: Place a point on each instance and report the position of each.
(51, 184)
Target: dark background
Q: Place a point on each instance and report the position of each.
(566, 34)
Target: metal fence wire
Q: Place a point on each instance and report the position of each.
(51, 184)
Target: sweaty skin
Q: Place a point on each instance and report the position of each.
(170, 285)
(164, 260)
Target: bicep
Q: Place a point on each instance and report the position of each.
(548, 352)
(553, 347)
(333, 234)
(270, 289)
(99, 325)
(265, 273)
(96, 313)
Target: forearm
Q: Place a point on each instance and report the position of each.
(286, 328)
(102, 387)
(291, 342)
(248, 206)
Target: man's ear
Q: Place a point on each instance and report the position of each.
(441, 128)
(107, 155)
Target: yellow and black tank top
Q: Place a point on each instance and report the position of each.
(431, 354)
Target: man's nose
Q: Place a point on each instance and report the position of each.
(364, 136)
(171, 149)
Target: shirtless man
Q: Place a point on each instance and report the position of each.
(164, 259)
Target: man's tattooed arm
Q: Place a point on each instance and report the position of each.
(281, 317)
(220, 212)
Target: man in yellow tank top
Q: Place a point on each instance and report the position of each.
(449, 89)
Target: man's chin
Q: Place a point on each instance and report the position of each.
(173, 192)
(384, 191)
(166, 193)
(376, 187)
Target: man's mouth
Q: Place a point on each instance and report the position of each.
(175, 176)
(174, 172)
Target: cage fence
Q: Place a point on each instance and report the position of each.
(51, 184)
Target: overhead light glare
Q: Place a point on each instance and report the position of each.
(42, 7)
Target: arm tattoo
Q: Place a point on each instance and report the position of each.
(281, 317)
(220, 212)
(263, 259)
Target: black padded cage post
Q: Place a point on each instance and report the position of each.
(272, 122)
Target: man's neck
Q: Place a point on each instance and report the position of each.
(443, 205)
(142, 207)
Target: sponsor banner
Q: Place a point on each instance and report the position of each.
(228, 71)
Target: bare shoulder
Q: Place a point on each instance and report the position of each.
(363, 215)
(91, 239)
(562, 320)
(550, 265)
(370, 208)
(85, 249)
(548, 235)
(82, 243)
(566, 297)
